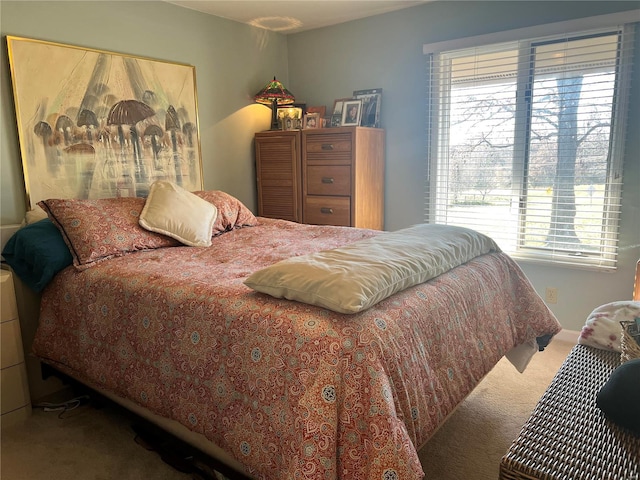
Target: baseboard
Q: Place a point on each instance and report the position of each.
(565, 335)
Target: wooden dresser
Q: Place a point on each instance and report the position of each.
(328, 176)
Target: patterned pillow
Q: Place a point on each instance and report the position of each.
(96, 230)
(232, 213)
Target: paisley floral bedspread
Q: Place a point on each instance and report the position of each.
(291, 390)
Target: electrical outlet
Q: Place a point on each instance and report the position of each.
(551, 295)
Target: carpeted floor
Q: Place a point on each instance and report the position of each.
(98, 444)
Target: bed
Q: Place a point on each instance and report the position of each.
(276, 388)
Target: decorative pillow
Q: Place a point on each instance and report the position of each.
(619, 398)
(602, 328)
(359, 275)
(177, 213)
(36, 253)
(96, 230)
(232, 213)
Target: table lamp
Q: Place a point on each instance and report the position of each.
(274, 94)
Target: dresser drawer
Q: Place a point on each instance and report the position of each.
(11, 352)
(328, 148)
(329, 180)
(327, 211)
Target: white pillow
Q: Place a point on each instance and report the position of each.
(355, 277)
(173, 211)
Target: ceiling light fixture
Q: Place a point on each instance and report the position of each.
(276, 24)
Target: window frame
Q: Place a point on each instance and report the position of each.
(526, 39)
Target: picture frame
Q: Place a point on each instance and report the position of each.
(336, 120)
(351, 113)
(293, 111)
(102, 124)
(371, 105)
(288, 123)
(312, 120)
(338, 103)
(320, 110)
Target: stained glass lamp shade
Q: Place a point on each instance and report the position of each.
(274, 94)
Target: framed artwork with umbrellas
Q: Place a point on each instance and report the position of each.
(99, 124)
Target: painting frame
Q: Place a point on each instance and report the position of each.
(371, 106)
(102, 124)
(348, 119)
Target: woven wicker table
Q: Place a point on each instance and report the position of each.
(567, 437)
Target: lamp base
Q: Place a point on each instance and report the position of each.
(274, 116)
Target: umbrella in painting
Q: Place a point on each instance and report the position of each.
(44, 131)
(154, 132)
(64, 124)
(88, 119)
(130, 112)
(172, 124)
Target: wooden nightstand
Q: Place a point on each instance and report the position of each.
(14, 386)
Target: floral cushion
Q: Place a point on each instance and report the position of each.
(96, 230)
(602, 328)
(232, 213)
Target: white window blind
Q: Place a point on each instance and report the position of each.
(526, 143)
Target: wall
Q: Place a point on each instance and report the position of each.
(386, 51)
(232, 60)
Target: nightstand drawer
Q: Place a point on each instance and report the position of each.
(327, 211)
(328, 148)
(14, 388)
(8, 306)
(329, 180)
(11, 352)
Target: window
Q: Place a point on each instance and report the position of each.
(526, 143)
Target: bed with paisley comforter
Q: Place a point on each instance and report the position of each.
(284, 388)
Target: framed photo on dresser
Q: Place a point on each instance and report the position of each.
(312, 120)
(371, 103)
(351, 113)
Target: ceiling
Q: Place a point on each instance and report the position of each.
(292, 16)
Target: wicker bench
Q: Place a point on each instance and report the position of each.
(567, 437)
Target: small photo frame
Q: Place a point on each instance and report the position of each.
(288, 123)
(312, 120)
(295, 111)
(351, 112)
(320, 110)
(335, 120)
(338, 104)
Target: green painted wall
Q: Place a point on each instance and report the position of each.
(386, 51)
(232, 60)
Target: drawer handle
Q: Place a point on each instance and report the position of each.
(327, 180)
(327, 210)
(327, 146)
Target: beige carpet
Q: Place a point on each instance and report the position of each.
(98, 444)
